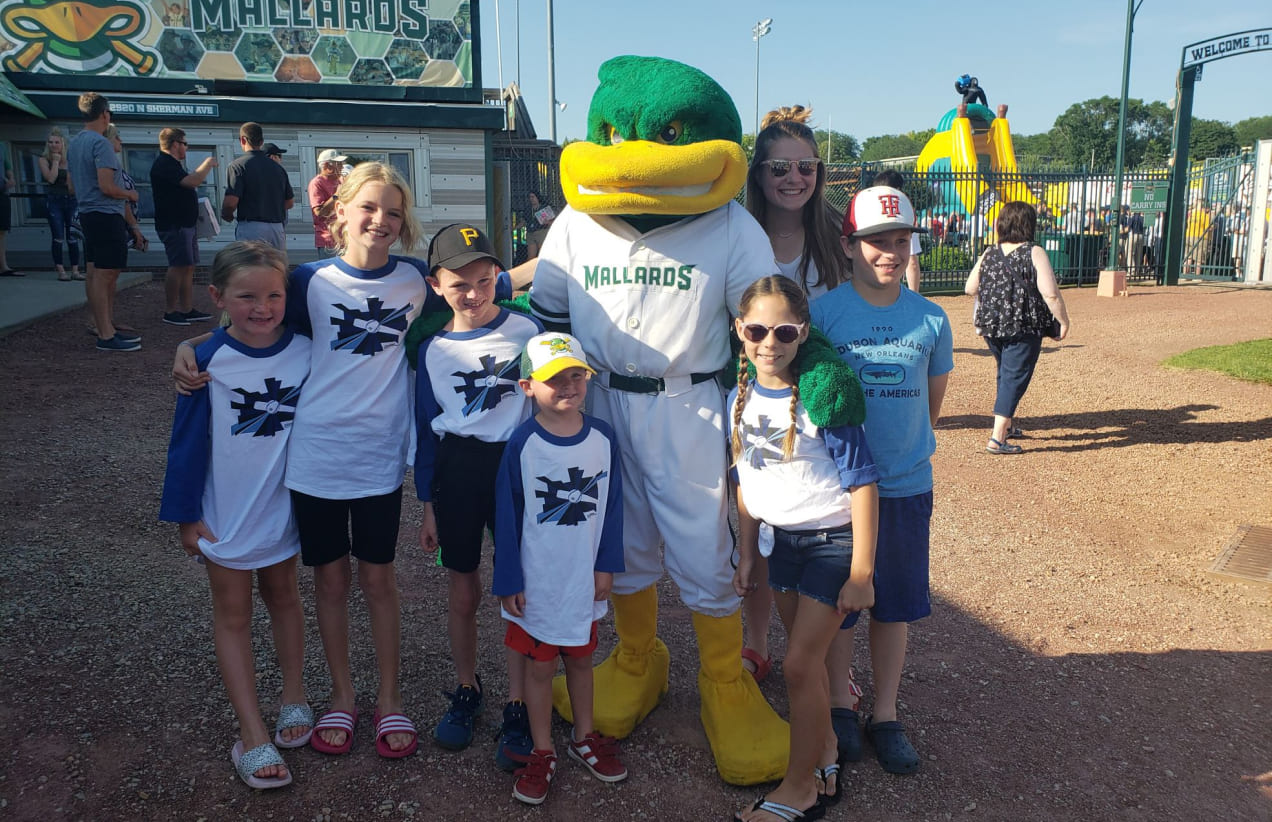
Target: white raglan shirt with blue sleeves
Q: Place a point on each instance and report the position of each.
(466, 386)
(228, 452)
(809, 491)
(558, 519)
(355, 429)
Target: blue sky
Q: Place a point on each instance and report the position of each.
(868, 70)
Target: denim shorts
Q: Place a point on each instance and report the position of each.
(901, 561)
(814, 564)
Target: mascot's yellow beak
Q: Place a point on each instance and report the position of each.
(642, 177)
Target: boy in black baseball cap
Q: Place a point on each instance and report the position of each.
(461, 429)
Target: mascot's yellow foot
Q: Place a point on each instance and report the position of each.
(630, 683)
(626, 687)
(750, 742)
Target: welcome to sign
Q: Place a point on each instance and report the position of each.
(1229, 45)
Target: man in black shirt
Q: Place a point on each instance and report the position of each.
(259, 190)
(176, 214)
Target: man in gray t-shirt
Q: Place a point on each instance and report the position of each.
(93, 166)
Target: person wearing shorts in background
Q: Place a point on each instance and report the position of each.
(93, 163)
(176, 218)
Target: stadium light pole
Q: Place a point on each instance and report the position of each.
(759, 30)
(1131, 8)
(552, 100)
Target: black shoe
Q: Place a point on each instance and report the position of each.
(848, 732)
(455, 731)
(175, 318)
(514, 736)
(194, 315)
(116, 343)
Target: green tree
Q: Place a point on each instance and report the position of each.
(1211, 138)
(888, 146)
(1087, 132)
(844, 147)
(1253, 128)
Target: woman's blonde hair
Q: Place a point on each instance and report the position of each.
(774, 285)
(54, 132)
(362, 174)
(822, 222)
(111, 132)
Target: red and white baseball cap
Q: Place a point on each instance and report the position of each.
(878, 209)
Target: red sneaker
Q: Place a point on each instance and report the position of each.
(534, 777)
(599, 754)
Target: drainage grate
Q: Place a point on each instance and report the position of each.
(1247, 556)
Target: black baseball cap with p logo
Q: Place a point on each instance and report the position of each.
(455, 246)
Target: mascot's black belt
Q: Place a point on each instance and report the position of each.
(645, 385)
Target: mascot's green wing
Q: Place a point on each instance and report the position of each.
(426, 325)
(827, 385)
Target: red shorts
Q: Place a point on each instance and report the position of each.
(518, 640)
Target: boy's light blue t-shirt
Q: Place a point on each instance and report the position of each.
(893, 350)
(88, 152)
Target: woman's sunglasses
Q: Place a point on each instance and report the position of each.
(779, 168)
(785, 332)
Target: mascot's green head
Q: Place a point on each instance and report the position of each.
(663, 139)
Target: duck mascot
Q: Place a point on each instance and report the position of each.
(646, 266)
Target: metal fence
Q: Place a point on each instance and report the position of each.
(1216, 218)
(1075, 225)
(534, 165)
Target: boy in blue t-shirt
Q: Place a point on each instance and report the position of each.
(467, 404)
(902, 349)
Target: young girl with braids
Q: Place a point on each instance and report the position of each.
(816, 488)
(786, 193)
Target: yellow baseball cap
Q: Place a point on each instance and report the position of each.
(549, 354)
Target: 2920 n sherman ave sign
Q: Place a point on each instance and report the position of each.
(1229, 45)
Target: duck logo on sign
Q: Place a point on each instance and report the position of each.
(882, 374)
(77, 36)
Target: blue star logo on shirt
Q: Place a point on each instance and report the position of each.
(368, 332)
(484, 389)
(567, 503)
(762, 442)
(265, 413)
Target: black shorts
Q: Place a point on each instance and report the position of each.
(105, 239)
(325, 527)
(6, 212)
(464, 498)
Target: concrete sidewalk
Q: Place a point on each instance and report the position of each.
(39, 294)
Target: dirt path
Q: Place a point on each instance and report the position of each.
(1081, 665)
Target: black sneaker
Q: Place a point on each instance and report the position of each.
(176, 318)
(514, 736)
(127, 336)
(117, 343)
(194, 315)
(455, 731)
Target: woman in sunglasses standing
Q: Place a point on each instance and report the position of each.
(786, 193)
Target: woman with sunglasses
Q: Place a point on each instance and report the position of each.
(786, 193)
(816, 487)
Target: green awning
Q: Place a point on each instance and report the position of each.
(9, 95)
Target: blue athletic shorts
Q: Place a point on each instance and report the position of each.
(181, 245)
(901, 560)
(814, 564)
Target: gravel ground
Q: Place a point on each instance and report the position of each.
(1080, 665)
